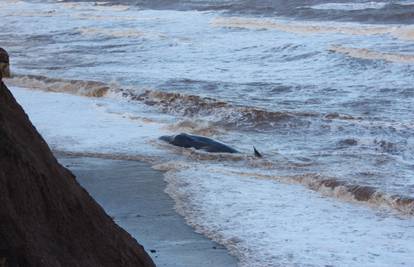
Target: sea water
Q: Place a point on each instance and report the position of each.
(323, 89)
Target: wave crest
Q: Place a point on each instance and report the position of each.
(400, 32)
(77, 87)
(350, 6)
(349, 192)
(219, 112)
(364, 53)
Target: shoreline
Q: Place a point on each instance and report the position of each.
(133, 194)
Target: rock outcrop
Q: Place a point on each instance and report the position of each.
(4, 63)
(46, 217)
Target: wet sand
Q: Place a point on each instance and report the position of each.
(133, 194)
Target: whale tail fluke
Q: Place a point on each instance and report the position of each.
(257, 153)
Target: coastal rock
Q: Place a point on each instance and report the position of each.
(46, 217)
(4, 63)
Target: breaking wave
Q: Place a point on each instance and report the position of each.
(218, 112)
(224, 114)
(203, 115)
(100, 17)
(326, 186)
(77, 87)
(350, 6)
(364, 53)
(111, 33)
(96, 6)
(342, 190)
(401, 32)
(198, 126)
(122, 33)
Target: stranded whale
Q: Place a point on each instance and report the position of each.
(201, 142)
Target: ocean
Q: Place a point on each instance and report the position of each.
(323, 89)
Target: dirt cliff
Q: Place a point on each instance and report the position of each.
(46, 217)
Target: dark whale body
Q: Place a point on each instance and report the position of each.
(198, 142)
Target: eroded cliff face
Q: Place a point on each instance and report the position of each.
(4, 64)
(46, 217)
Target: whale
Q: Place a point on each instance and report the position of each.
(201, 143)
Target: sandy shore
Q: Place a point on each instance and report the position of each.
(133, 194)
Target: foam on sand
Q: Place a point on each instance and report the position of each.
(88, 125)
(266, 223)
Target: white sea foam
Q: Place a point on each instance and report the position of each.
(8, 2)
(100, 17)
(358, 5)
(77, 124)
(350, 6)
(109, 6)
(131, 33)
(399, 31)
(95, 6)
(404, 33)
(266, 223)
(364, 53)
(262, 222)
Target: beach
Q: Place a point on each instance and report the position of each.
(47, 218)
(133, 195)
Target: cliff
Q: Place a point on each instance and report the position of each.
(46, 217)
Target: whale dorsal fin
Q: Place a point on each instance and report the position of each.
(256, 153)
